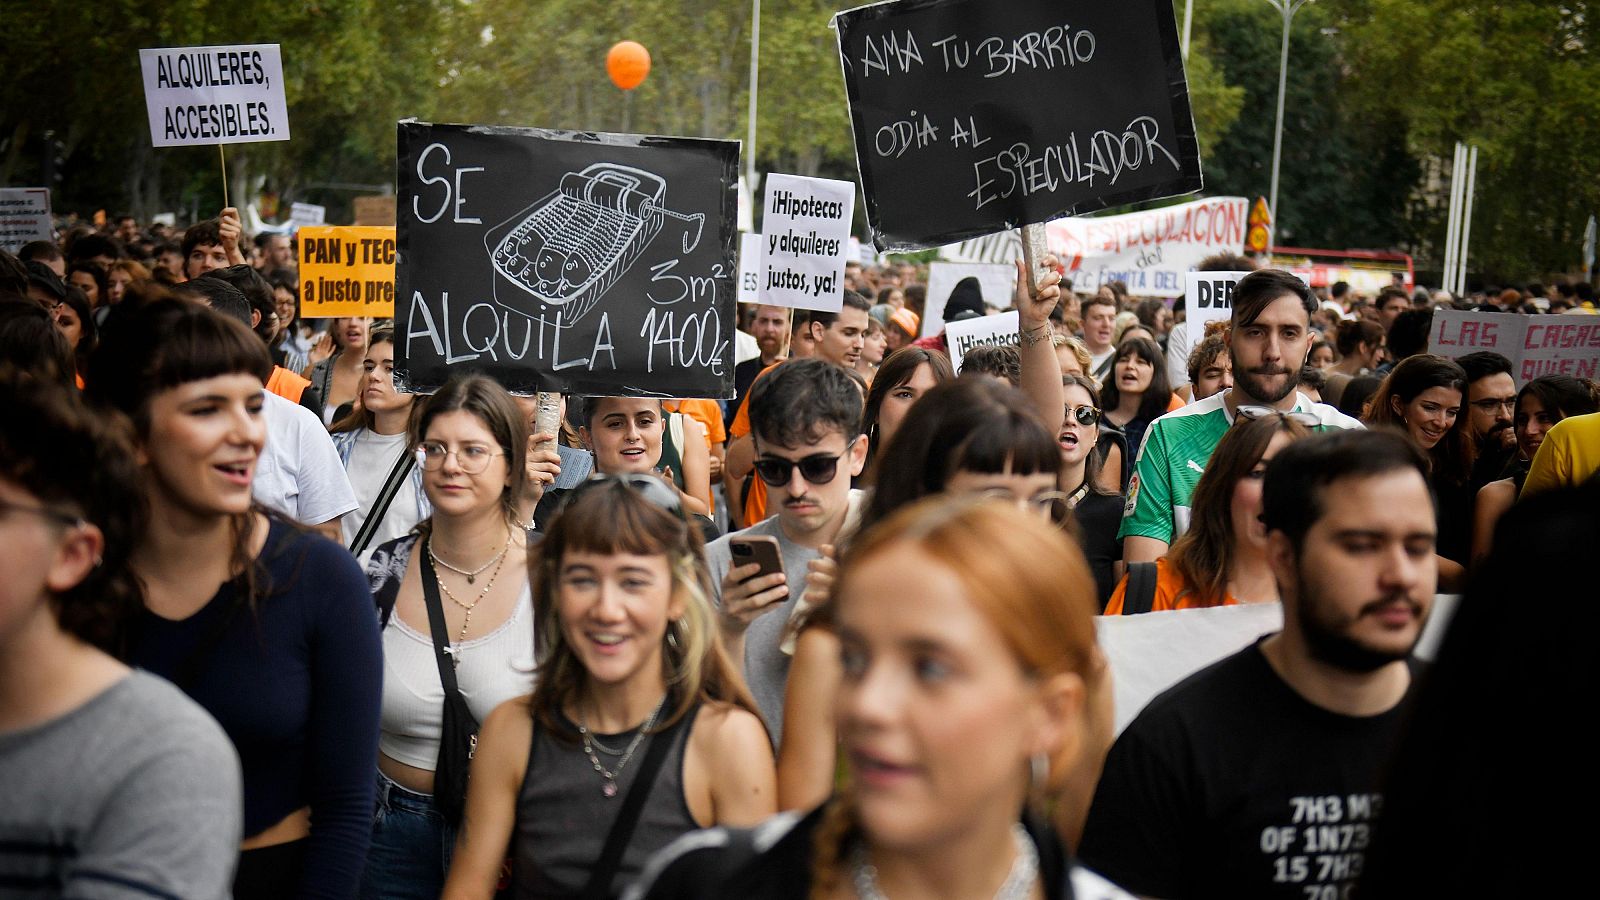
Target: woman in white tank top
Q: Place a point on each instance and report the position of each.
(471, 442)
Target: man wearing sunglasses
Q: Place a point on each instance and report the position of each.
(1269, 339)
(805, 418)
(835, 337)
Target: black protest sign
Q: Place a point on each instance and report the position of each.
(1020, 111)
(563, 261)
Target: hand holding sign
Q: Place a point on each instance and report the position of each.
(1035, 303)
(229, 229)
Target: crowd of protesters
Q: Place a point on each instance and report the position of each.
(271, 627)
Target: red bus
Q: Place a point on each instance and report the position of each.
(1366, 271)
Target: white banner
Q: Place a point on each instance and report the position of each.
(1152, 652)
(1208, 296)
(997, 282)
(1536, 345)
(749, 268)
(215, 95)
(805, 236)
(989, 331)
(1149, 250)
(24, 217)
(306, 215)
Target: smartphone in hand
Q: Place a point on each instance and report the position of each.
(762, 549)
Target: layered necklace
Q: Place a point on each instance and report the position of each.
(1017, 886)
(608, 778)
(498, 561)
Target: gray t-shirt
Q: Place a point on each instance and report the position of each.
(135, 794)
(766, 667)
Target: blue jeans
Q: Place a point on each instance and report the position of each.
(411, 846)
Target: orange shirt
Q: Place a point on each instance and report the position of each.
(755, 499)
(706, 412)
(1169, 586)
(287, 384)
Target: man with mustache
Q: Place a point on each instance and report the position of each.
(805, 421)
(1491, 401)
(1260, 776)
(1268, 341)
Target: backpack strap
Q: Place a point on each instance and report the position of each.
(1141, 594)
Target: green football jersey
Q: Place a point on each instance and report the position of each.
(1176, 448)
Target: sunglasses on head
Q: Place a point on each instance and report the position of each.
(1251, 413)
(819, 468)
(1087, 416)
(650, 488)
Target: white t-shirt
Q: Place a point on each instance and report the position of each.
(1096, 360)
(299, 473)
(1178, 348)
(371, 459)
(744, 347)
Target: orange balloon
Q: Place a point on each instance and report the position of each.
(628, 62)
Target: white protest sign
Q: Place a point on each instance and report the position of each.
(303, 215)
(1152, 652)
(215, 95)
(987, 331)
(805, 231)
(1149, 251)
(749, 268)
(996, 282)
(24, 217)
(1536, 345)
(1207, 297)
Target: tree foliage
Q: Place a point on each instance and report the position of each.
(1378, 92)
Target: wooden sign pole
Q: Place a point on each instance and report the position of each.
(1034, 250)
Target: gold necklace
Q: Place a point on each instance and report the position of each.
(434, 563)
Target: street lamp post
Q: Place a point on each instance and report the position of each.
(1287, 9)
(755, 68)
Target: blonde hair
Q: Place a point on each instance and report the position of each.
(1026, 577)
(612, 517)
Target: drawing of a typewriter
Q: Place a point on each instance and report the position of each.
(572, 245)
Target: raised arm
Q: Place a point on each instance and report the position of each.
(1041, 371)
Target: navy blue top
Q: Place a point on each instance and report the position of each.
(297, 685)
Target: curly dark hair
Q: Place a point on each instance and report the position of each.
(81, 466)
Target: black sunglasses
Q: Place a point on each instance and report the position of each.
(1087, 416)
(819, 468)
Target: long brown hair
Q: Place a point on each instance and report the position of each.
(1451, 458)
(485, 399)
(1026, 577)
(155, 342)
(359, 416)
(612, 517)
(1204, 554)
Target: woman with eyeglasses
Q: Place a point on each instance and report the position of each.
(972, 695)
(1541, 403)
(1222, 559)
(116, 784)
(640, 728)
(465, 567)
(1422, 396)
(262, 622)
(1097, 511)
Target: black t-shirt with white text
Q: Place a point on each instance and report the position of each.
(1230, 784)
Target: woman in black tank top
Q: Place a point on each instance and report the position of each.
(640, 729)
